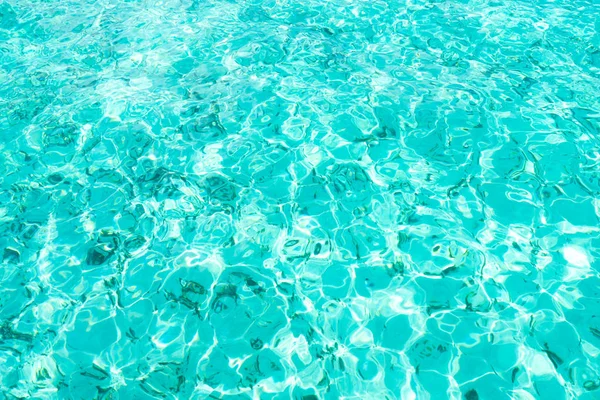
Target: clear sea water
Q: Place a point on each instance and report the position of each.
(284, 199)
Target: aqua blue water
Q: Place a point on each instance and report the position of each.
(213, 199)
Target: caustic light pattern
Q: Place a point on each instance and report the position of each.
(285, 199)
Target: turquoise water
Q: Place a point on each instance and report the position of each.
(300, 199)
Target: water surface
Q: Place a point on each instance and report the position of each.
(299, 199)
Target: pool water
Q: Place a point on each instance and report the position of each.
(213, 199)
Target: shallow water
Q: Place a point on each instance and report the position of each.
(299, 199)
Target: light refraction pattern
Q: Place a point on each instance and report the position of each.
(368, 199)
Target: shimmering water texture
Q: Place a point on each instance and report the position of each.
(211, 199)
